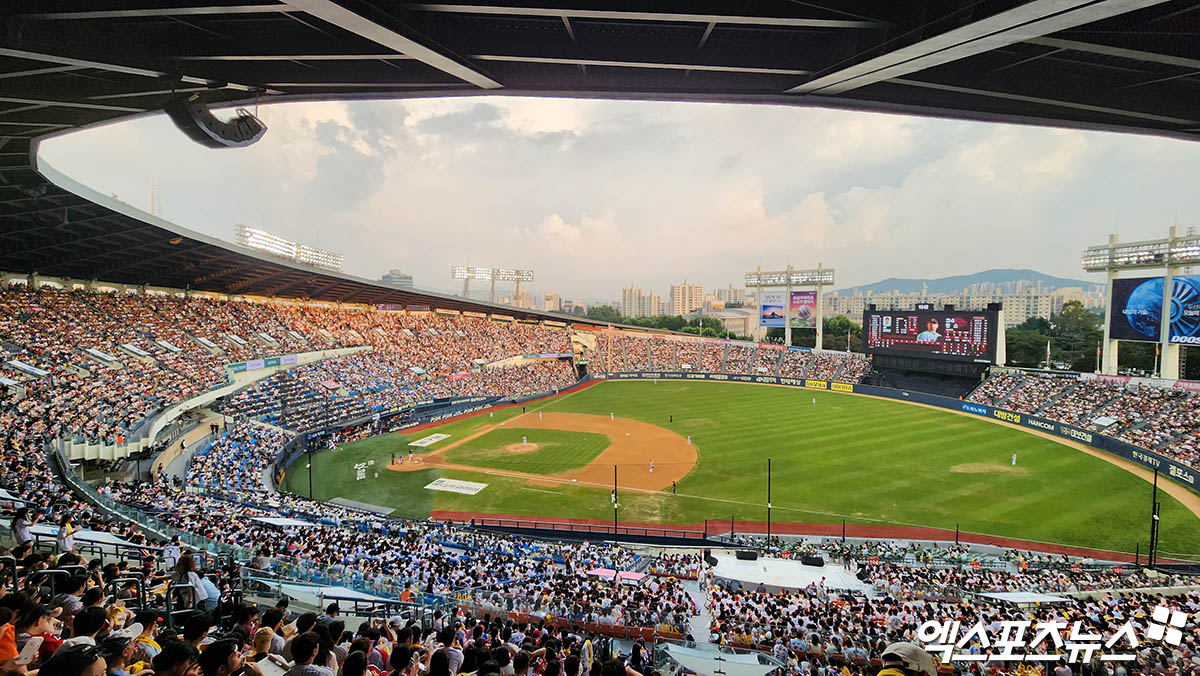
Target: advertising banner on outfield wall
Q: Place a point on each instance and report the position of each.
(802, 309)
(771, 308)
(1177, 472)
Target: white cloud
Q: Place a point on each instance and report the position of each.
(597, 194)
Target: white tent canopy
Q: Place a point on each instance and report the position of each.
(283, 522)
(1025, 598)
(709, 662)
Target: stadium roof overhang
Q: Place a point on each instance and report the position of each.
(1121, 65)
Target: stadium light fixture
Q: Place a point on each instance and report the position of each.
(493, 275)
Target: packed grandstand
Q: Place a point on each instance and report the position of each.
(99, 367)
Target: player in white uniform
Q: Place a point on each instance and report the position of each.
(1014, 462)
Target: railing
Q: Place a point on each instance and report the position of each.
(587, 529)
(272, 584)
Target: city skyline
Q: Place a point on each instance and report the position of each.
(593, 193)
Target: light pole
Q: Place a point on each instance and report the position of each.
(614, 501)
(768, 502)
(1152, 555)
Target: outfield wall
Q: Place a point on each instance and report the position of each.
(1177, 472)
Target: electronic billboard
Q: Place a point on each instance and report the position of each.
(1137, 310)
(936, 334)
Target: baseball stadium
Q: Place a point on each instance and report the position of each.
(239, 459)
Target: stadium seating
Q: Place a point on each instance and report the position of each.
(1162, 420)
(111, 362)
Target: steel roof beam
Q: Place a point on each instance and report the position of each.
(1020, 24)
(220, 10)
(140, 262)
(681, 17)
(641, 64)
(343, 18)
(69, 104)
(509, 58)
(112, 67)
(1120, 52)
(1149, 117)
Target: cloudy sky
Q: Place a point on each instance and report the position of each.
(595, 195)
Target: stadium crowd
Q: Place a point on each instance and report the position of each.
(618, 351)
(112, 360)
(1162, 420)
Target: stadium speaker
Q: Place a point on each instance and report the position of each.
(747, 555)
(194, 119)
(813, 561)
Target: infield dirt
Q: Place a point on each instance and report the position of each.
(634, 444)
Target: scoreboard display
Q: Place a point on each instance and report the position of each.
(955, 335)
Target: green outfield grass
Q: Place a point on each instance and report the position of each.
(867, 460)
(557, 451)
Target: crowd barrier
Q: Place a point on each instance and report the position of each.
(1177, 472)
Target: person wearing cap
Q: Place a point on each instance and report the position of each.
(906, 659)
(81, 660)
(148, 620)
(118, 649)
(224, 658)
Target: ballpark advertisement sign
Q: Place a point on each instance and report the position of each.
(1137, 310)
(771, 308)
(456, 486)
(802, 309)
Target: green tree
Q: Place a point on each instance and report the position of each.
(1026, 348)
(604, 313)
(1074, 320)
(1039, 324)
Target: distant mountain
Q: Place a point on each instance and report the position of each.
(1000, 277)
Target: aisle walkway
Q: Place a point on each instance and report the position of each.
(700, 623)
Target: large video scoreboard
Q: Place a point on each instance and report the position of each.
(935, 334)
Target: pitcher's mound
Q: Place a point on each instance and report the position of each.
(520, 448)
(988, 468)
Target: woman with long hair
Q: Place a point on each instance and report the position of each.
(21, 523)
(66, 534)
(185, 574)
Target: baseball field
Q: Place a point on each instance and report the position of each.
(834, 457)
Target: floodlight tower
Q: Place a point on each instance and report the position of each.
(1171, 254)
(788, 280)
(467, 273)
